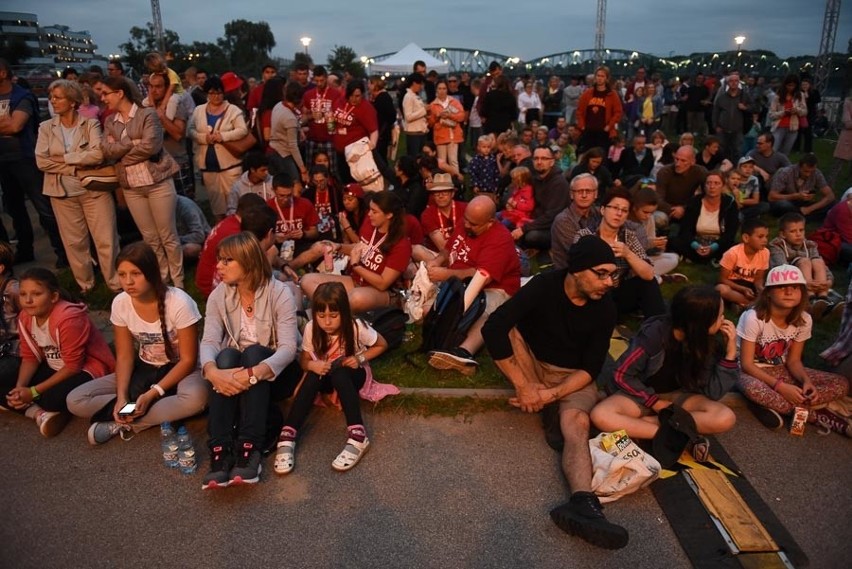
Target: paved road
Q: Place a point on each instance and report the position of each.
(432, 492)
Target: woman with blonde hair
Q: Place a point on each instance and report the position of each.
(249, 341)
(66, 144)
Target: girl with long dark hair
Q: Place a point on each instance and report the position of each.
(162, 377)
(675, 359)
(336, 350)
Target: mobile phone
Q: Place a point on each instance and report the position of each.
(128, 409)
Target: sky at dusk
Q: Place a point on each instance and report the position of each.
(526, 29)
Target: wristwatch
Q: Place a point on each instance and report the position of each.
(362, 359)
(252, 377)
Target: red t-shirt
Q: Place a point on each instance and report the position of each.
(492, 252)
(255, 97)
(376, 261)
(323, 102)
(301, 215)
(433, 220)
(206, 269)
(353, 123)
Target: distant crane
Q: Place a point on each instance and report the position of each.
(158, 26)
(826, 44)
(600, 30)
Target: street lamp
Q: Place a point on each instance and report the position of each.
(739, 41)
(306, 41)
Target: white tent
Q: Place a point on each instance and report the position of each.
(403, 61)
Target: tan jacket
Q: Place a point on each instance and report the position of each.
(414, 113)
(145, 129)
(232, 125)
(50, 148)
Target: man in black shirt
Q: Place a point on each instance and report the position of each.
(551, 340)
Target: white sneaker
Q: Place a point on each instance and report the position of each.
(51, 423)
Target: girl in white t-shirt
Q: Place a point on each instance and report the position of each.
(335, 352)
(772, 338)
(162, 378)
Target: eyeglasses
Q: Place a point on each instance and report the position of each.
(55, 98)
(618, 209)
(583, 192)
(225, 260)
(602, 274)
(543, 158)
(105, 93)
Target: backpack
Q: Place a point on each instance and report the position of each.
(828, 244)
(447, 323)
(389, 322)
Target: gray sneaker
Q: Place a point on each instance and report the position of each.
(101, 432)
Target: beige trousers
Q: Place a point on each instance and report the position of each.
(154, 209)
(218, 186)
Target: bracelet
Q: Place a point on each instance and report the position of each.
(775, 386)
(362, 359)
(347, 228)
(156, 387)
(34, 393)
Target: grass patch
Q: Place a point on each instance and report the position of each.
(426, 406)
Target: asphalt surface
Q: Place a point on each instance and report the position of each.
(431, 492)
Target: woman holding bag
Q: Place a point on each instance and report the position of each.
(213, 125)
(66, 144)
(445, 118)
(134, 139)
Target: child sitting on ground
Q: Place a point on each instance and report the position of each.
(156, 63)
(336, 350)
(483, 169)
(743, 267)
(771, 339)
(521, 203)
(791, 247)
(748, 196)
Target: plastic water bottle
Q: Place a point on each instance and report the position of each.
(186, 452)
(169, 445)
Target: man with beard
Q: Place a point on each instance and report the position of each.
(552, 195)
(550, 340)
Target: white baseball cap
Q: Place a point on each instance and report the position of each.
(785, 275)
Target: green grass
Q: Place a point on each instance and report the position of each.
(408, 367)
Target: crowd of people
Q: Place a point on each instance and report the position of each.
(306, 240)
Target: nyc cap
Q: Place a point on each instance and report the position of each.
(785, 275)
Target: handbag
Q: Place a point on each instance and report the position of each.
(239, 147)
(362, 166)
(99, 179)
(163, 166)
(619, 466)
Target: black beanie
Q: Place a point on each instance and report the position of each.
(590, 251)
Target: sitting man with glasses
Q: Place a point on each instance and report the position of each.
(580, 214)
(550, 340)
(552, 195)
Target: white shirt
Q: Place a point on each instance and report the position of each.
(41, 335)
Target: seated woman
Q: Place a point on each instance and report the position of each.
(709, 225)
(162, 378)
(675, 359)
(378, 260)
(249, 341)
(634, 285)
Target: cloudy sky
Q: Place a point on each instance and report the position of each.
(524, 29)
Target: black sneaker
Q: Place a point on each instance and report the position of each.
(247, 470)
(582, 516)
(770, 419)
(221, 462)
(457, 359)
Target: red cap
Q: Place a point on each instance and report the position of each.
(354, 190)
(231, 82)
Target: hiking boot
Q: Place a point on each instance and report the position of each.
(103, 431)
(768, 417)
(248, 467)
(221, 462)
(552, 428)
(457, 359)
(51, 423)
(832, 422)
(582, 516)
